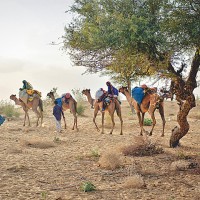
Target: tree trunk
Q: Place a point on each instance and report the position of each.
(129, 89)
(186, 99)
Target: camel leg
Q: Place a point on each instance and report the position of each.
(95, 115)
(102, 121)
(161, 111)
(75, 121)
(38, 117)
(24, 119)
(151, 112)
(141, 121)
(64, 121)
(119, 114)
(113, 122)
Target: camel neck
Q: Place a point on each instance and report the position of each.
(89, 97)
(17, 101)
(128, 96)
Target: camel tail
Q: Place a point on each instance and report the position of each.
(41, 105)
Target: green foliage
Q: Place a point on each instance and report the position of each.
(80, 101)
(44, 195)
(87, 187)
(80, 108)
(147, 122)
(8, 109)
(95, 153)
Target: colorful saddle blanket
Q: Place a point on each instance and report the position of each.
(138, 94)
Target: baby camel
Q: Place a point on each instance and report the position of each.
(150, 102)
(72, 105)
(34, 104)
(114, 105)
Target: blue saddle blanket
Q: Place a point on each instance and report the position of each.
(138, 94)
(2, 119)
(59, 100)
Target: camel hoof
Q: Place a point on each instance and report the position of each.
(162, 135)
(110, 133)
(102, 132)
(121, 133)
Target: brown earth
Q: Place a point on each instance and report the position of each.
(36, 165)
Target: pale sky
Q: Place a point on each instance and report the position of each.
(27, 27)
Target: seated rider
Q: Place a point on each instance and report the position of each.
(112, 91)
(100, 96)
(26, 85)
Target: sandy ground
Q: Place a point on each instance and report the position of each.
(35, 165)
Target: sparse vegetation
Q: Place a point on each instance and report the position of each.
(110, 160)
(134, 181)
(142, 148)
(80, 99)
(95, 153)
(87, 187)
(80, 108)
(147, 122)
(8, 109)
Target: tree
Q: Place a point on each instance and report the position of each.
(112, 34)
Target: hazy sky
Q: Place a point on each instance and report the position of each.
(27, 27)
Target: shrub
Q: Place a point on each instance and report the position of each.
(147, 122)
(80, 99)
(80, 109)
(142, 148)
(110, 160)
(8, 109)
(87, 187)
(134, 181)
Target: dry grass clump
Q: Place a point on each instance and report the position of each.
(17, 168)
(37, 143)
(142, 147)
(110, 160)
(134, 181)
(181, 165)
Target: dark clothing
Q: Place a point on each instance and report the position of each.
(2, 119)
(57, 111)
(112, 90)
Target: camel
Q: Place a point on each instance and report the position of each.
(34, 104)
(150, 103)
(89, 97)
(72, 105)
(114, 105)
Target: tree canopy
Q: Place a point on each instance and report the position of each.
(132, 38)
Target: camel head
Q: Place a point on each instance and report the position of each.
(86, 91)
(123, 89)
(50, 94)
(13, 97)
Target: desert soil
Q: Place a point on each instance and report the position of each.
(37, 163)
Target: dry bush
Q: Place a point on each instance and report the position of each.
(181, 165)
(37, 143)
(17, 168)
(110, 160)
(134, 181)
(141, 147)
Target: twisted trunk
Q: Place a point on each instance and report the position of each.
(185, 97)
